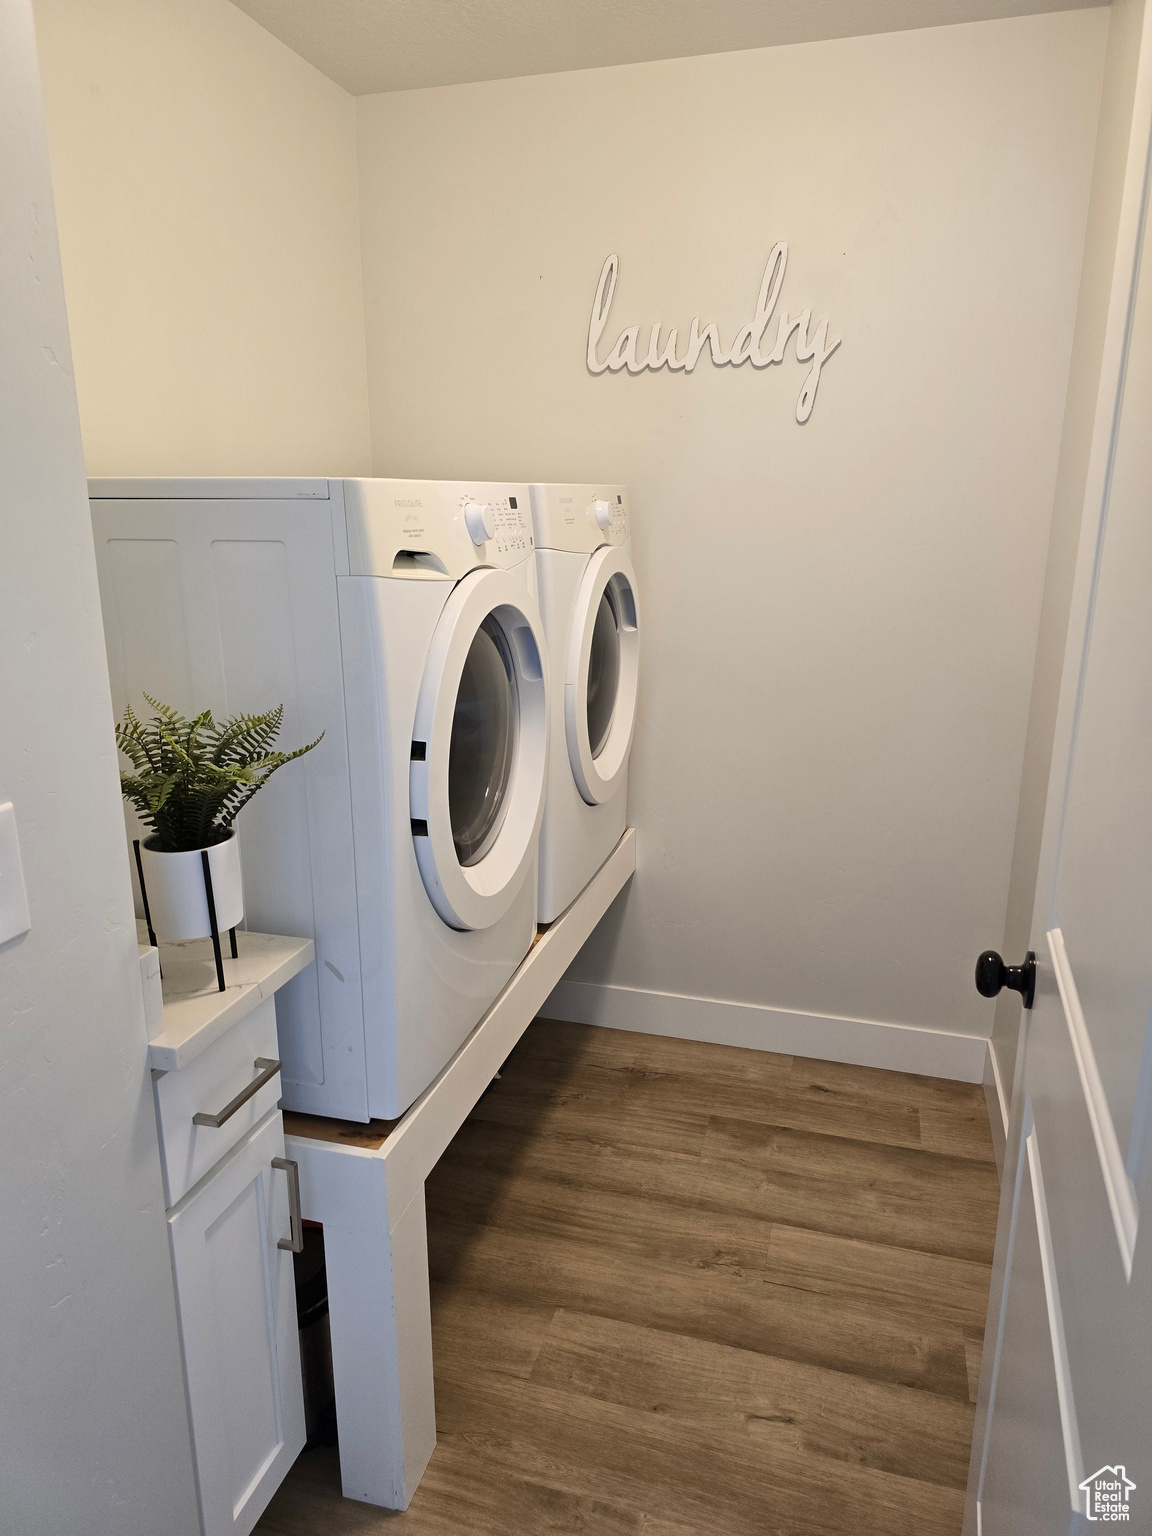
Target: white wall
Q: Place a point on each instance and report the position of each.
(1125, 20)
(840, 618)
(93, 1425)
(206, 186)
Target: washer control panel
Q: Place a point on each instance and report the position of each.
(506, 528)
(579, 518)
(435, 530)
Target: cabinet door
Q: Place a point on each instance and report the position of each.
(237, 1303)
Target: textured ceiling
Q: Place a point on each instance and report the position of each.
(395, 45)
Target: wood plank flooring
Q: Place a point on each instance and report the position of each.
(681, 1289)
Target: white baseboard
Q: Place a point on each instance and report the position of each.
(998, 1088)
(861, 1042)
(997, 1102)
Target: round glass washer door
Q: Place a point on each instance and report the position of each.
(601, 680)
(483, 747)
(479, 750)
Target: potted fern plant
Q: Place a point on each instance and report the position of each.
(189, 780)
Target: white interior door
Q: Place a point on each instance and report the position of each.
(1066, 1434)
(237, 1306)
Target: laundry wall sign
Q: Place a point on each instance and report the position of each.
(813, 345)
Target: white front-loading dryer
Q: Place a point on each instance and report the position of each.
(590, 608)
(399, 618)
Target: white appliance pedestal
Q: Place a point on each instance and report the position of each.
(365, 1184)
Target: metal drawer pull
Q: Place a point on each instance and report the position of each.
(295, 1243)
(270, 1069)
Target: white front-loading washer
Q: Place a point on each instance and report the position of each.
(399, 618)
(590, 608)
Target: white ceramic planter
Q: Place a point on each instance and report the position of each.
(177, 903)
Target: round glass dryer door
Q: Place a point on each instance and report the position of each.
(479, 745)
(600, 686)
(603, 670)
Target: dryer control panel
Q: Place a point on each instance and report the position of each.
(435, 529)
(579, 518)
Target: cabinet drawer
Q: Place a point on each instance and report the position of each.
(205, 1086)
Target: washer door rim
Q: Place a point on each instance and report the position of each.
(598, 778)
(478, 895)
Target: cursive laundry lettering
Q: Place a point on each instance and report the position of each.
(813, 346)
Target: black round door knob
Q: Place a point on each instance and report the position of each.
(992, 975)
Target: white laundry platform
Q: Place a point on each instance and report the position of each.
(365, 1184)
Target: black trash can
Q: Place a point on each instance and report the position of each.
(315, 1339)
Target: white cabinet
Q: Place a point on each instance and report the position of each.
(234, 1209)
(237, 1309)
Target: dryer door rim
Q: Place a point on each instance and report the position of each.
(478, 895)
(599, 777)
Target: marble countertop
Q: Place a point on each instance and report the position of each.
(193, 1013)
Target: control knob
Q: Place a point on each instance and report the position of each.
(480, 520)
(602, 512)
